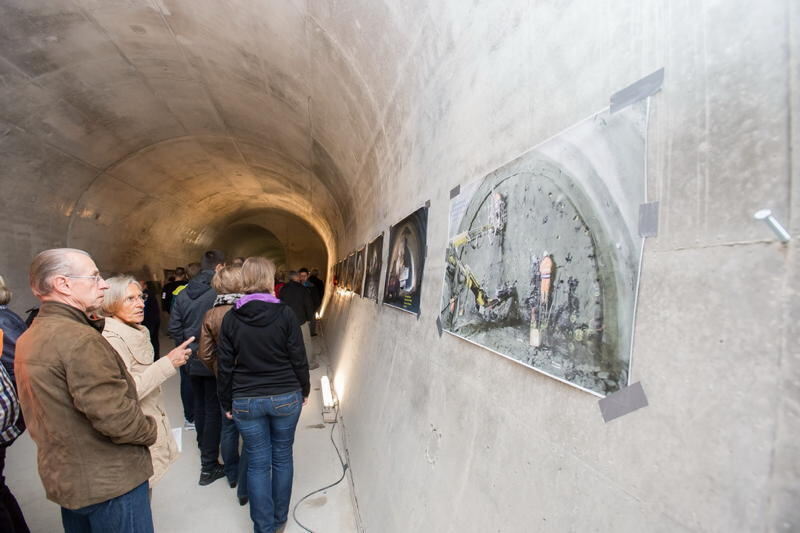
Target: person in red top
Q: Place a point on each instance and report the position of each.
(280, 281)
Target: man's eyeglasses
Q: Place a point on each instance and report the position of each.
(97, 278)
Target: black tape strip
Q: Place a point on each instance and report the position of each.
(455, 191)
(622, 402)
(643, 88)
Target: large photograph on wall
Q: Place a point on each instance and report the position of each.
(407, 247)
(349, 274)
(543, 255)
(337, 275)
(374, 264)
(358, 278)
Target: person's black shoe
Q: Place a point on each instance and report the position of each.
(232, 483)
(209, 477)
(243, 500)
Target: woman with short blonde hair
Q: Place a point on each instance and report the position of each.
(227, 283)
(123, 306)
(258, 276)
(263, 382)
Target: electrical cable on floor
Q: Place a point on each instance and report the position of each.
(344, 472)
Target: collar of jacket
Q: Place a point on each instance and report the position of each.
(227, 299)
(123, 329)
(135, 336)
(67, 311)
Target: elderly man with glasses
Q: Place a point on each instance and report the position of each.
(80, 403)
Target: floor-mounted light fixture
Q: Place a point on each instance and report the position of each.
(328, 401)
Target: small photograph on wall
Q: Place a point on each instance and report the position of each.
(350, 267)
(543, 256)
(358, 279)
(407, 248)
(374, 264)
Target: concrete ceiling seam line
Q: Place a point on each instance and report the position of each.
(110, 171)
(379, 127)
(198, 77)
(200, 80)
(203, 83)
(125, 57)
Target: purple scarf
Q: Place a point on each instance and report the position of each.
(257, 296)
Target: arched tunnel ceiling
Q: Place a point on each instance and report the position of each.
(130, 122)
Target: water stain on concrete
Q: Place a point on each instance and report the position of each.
(317, 502)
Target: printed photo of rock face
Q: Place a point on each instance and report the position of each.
(407, 242)
(543, 254)
(374, 265)
(349, 271)
(358, 280)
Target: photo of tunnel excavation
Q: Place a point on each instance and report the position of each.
(374, 264)
(590, 328)
(358, 276)
(406, 262)
(543, 259)
(350, 272)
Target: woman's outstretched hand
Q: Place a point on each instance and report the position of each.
(180, 355)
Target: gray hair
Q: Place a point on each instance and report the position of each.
(48, 264)
(115, 295)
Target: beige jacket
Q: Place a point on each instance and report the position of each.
(132, 343)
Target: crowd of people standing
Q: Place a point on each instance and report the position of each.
(86, 377)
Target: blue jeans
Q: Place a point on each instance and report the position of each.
(235, 463)
(129, 513)
(267, 425)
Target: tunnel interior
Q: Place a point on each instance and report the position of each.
(148, 131)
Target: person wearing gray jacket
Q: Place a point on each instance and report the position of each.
(186, 318)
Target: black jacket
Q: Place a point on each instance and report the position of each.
(260, 353)
(188, 309)
(299, 299)
(167, 296)
(320, 285)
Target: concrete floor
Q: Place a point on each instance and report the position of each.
(180, 504)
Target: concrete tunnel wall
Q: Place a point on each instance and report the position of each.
(140, 129)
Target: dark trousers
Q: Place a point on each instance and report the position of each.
(11, 519)
(207, 413)
(129, 513)
(186, 394)
(235, 462)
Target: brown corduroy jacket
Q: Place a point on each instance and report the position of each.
(81, 409)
